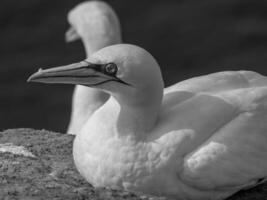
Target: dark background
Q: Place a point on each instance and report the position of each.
(187, 37)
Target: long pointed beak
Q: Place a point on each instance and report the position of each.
(82, 73)
(71, 35)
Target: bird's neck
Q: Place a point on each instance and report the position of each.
(136, 121)
(133, 121)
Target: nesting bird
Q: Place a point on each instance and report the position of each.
(97, 25)
(202, 138)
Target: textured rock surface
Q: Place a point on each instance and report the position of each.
(38, 165)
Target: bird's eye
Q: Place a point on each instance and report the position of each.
(111, 69)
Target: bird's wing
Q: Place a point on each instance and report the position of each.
(211, 84)
(235, 155)
(221, 81)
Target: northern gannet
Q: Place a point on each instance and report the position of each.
(202, 138)
(97, 24)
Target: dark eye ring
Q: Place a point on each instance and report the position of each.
(111, 68)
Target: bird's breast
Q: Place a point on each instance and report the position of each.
(116, 163)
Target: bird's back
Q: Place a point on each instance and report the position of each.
(224, 115)
(220, 81)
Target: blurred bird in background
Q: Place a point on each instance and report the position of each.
(97, 25)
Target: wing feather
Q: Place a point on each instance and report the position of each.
(235, 156)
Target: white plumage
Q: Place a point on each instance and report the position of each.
(202, 138)
(97, 25)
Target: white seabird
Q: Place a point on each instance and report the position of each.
(203, 138)
(97, 24)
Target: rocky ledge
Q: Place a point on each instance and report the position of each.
(38, 164)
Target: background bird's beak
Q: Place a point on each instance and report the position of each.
(71, 35)
(82, 73)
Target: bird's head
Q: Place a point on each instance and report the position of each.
(93, 21)
(122, 70)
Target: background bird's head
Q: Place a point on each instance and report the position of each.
(95, 22)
